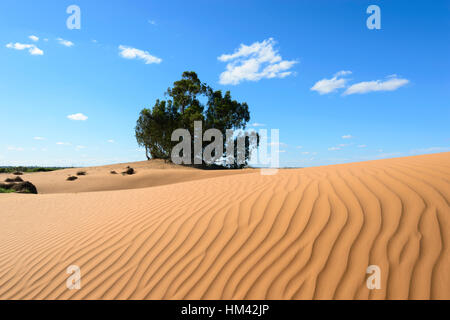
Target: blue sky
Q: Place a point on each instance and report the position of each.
(337, 91)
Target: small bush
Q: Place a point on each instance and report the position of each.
(20, 187)
(16, 179)
(129, 171)
(24, 187)
(81, 173)
(113, 172)
(72, 178)
(17, 173)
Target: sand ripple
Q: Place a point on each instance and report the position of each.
(301, 234)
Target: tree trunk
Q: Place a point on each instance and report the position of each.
(146, 153)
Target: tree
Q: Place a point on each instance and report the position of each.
(154, 128)
(185, 92)
(184, 106)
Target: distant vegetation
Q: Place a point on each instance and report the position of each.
(28, 169)
(188, 100)
(3, 190)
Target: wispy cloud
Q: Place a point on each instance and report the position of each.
(255, 62)
(334, 148)
(32, 49)
(111, 141)
(39, 138)
(65, 43)
(431, 149)
(12, 148)
(256, 124)
(326, 86)
(387, 155)
(34, 38)
(133, 53)
(63, 143)
(362, 146)
(347, 136)
(152, 22)
(391, 84)
(77, 117)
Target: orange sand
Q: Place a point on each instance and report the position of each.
(190, 234)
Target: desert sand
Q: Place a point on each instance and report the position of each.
(179, 233)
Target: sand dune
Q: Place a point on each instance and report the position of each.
(149, 174)
(301, 234)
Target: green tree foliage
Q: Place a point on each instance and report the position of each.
(184, 106)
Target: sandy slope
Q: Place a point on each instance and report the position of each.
(149, 174)
(301, 234)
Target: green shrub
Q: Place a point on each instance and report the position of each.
(3, 190)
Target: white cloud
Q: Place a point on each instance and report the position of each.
(362, 146)
(393, 83)
(152, 22)
(299, 147)
(326, 86)
(63, 143)
(334, 148)
(77, 117)
(80, 147)
(11, 148)
(133, 53)
(348, 136)
(111, 141)
(32, 49)
(431, 149)
(65, 43)
(39, 138)
(305, 153)
(255, 62)
(34, 38)
(35, 51)
(256, 124)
